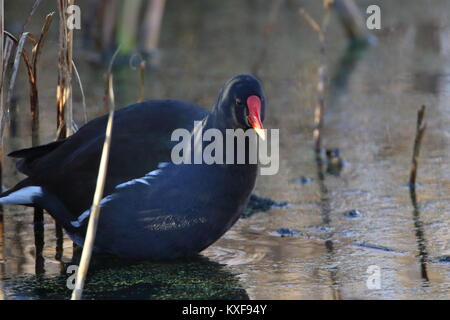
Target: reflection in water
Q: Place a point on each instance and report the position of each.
(325, 209)
(2, 253)
(38, 223)
(420, 236)
(112, 278)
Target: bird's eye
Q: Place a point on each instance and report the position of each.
(238, 102)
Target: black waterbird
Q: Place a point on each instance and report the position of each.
(152, 208)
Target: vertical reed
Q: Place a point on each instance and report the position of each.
(64, 88)
(64, 110)
(152, 25)
(34, 109)
(101, 178)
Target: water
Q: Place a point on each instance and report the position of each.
(371, 122)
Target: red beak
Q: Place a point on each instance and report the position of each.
(254, 115)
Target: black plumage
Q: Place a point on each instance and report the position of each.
(152, 208)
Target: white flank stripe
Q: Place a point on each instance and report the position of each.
(151, 175)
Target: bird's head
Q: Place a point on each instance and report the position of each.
(241, 104)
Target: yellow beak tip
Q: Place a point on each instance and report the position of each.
(261, 133)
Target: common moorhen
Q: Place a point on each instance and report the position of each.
(152, 208)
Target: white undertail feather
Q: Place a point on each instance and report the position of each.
(23, 196)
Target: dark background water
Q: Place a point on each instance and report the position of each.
(203, 43)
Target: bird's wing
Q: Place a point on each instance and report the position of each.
(141, 140)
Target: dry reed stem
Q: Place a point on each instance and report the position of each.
(101, 178)
(7, 50)
(64, 109)
(34, 98)
(64, 89)
(420, 131)
(19, 53)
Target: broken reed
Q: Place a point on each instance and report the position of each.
(420, 131)
(101, 179)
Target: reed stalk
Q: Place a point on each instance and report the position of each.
(101, 178)
(64, 89)
(34, 109)
(64, 108)
(420, 131)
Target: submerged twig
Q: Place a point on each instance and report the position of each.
(101, 178)
(420, 130)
